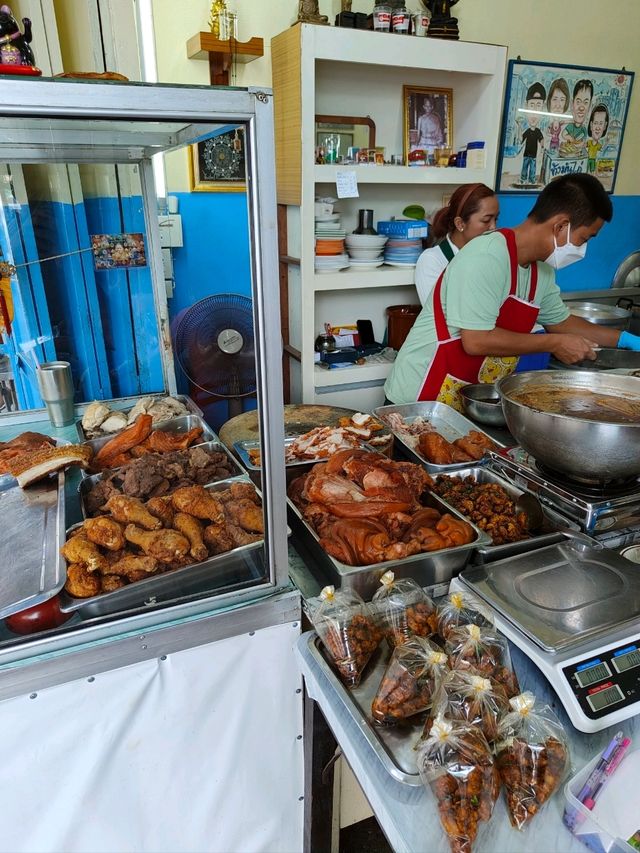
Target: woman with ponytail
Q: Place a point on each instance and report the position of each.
(472, 210)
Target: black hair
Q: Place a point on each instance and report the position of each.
(583, 84)
(582, 197)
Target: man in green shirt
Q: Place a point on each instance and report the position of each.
(482, 310)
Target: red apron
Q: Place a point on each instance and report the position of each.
(451, 367)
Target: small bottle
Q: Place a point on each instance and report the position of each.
(365, 222)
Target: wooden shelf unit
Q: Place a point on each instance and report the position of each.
(334, 71)
(221, 53)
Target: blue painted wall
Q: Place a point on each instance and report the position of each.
(614, 242)
(214, 259)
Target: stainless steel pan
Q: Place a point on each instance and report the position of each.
(593, 451)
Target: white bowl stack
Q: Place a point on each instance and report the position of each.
(329, 234)
(365, 250)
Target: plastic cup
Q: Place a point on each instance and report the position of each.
(56, 389)
(382, 18)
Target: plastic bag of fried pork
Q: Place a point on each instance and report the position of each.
(455, 761)
(410, 681)
(532, 756)
(403, 609)
(347, 629)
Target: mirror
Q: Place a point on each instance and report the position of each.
(336, 134)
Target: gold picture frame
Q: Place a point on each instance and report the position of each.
(424, 130)
(217, 164)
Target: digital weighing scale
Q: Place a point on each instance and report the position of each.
(575, 611)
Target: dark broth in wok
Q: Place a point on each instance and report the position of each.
(580, 403)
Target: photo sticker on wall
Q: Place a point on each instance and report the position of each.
(118, 251)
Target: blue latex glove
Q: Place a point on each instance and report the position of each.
(629, 341)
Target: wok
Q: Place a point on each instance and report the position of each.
(588, 450)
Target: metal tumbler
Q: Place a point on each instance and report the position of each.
(56, 389)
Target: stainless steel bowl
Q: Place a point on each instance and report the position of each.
(593, 451)
(601, 314)
(482, 403)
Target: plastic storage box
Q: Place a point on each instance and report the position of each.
(407, 229)
(616, 814)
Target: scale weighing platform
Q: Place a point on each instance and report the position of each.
(574, 610)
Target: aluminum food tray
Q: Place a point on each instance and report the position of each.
(392, 745)
(125, 404)
(226, 568)
(445, 420)
(175, 425)
(32, 569)
(552, 527)
(89, 481)
(428, 568)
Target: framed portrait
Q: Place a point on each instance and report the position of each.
(560, 119)
(428, 119)
(217, 164)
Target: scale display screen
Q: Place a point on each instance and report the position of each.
(604, 698)
(593, 674)
(628, 661)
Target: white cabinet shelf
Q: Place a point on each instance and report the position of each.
(351, 279)
(324, 378)
(344, 72)
(406, 175)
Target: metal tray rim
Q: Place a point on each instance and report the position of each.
(429, 407)
(359, 718)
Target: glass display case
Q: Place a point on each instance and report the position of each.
(83, 280)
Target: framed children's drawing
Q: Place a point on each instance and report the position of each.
(560, 119)
(217, 164)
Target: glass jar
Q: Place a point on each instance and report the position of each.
(400, 19)
(381, 18)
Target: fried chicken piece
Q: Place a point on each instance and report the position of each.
(123, 442)
(161, 508)
(80, 550)
(218, 539)
(246, 514)
(112, 582)
(81, 583)
(240, 537)
(132, 510)
(237, 492)
(165, 545)
(165, 442)
(105, 532)
(132, 564)
(197, 501)
(192, 529)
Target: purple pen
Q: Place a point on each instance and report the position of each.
(595, 777)
(618, 755)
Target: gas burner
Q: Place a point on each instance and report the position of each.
(588, 488)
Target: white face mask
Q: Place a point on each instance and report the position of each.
(562, 256)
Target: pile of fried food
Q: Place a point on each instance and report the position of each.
(158, 474)
(422, 437)
(366, 509)
(100, 419)
(487, 505)
(475, 738)
(322, 442)
(31, 457)
(138, 440)
(137, 540)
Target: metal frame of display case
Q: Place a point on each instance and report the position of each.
(85, 139)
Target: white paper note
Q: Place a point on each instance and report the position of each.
(347, 184)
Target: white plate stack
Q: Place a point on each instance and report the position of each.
(365, 250)
(329, 233)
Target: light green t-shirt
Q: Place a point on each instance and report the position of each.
(476, 283)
